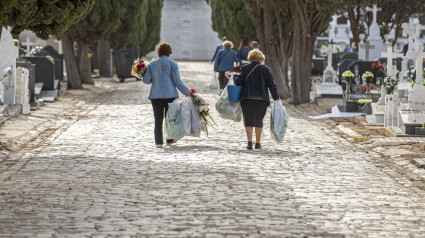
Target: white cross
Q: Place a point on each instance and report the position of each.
(412, 30)
(28, 45)
(390, 55)
(375, 9)
(367, 46)
(419, 56)
(330, 51)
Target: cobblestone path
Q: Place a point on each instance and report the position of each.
(99, 175)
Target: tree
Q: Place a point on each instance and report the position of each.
(45, 17)
(4, 6)
(100, 23)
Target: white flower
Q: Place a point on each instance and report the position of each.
(8, 70)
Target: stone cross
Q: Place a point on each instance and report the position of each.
(412, 30)
(367, 47)
(330, 51)
(390, 55)
(419, 55)
(374, 10)
(28, 45)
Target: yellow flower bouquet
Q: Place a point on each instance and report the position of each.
(348, 75)
(368, 76)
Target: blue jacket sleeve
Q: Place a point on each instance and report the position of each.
(271, 85)
(217, 61)
(147, 79)
(175, 73)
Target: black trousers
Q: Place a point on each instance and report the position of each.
(160, 108)
(222, 79)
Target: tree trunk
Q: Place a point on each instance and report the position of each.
(302, 54)
(83, 62)
(264, 19)
(1, 30)
(73, 76)
(354, 18)
(103, 58)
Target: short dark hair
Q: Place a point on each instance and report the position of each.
(223, 39)
(164, 49)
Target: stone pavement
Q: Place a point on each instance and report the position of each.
(97, 173)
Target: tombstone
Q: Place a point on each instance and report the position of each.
(344, 66)
(329, 87)
(374, 44)
(49, 50)
(363, 66)
(391, 110)
(9, 53)
(45, 74)
(414, 116)
(28, 44)
(318, 66)
(349, 55)
(336, 59)
(411, 30)
(34, 89)
(22, 91)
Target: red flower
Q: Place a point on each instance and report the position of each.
(193, 90)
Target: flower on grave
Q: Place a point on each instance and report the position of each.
(348, 75)
(50, 58)
(410, 74)
(368, 76)
(364, 101)
(139, 67)
(385, 29)
(316, 79)
(390, 83)
(378, 68)
(363, 87)
(423, 125)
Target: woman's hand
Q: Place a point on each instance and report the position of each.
(187, 94)
(277, 100)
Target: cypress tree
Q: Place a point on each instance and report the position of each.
(4, 6)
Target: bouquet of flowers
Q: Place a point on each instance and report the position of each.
(377, 68)
(7, 72)
(385, 29)
(390, 83)
(139, 67)
(348, 75)
(316, 79)
(362, 28)
(368, 76)
(203, 109)
(363, 87)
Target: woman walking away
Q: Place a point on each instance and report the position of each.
(256, 80)
(224, 61)
(219, 47)
(164, 76)
(243, 51)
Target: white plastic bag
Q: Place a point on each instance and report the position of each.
(227, 109)
(278, 121)
(186, 114)
(213, 82)
(174, 126)
(195, 126)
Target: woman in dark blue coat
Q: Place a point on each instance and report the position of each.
(243, 51)
(256, 80)
(225, 61)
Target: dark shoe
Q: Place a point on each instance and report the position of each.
(170, 142)
(257, 146)
(249, 147)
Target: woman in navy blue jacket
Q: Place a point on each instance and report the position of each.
(224, 61)
(243, 51)
(256, 80)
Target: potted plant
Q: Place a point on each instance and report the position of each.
(362, 31)
(369, 77)
(385, 31)
(348, 76)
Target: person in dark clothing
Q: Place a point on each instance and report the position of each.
(243, 51)
(219, 47)
(225, 61)
(257, 81)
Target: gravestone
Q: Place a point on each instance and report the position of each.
(8, 55)
(374, 44)
(344, 66)
(318, 66)
(45, 74)
(413, 117)
(49, 50)
(28, 44)
(22, 91)
(363, 67)
(328, 87)
(336, 59)
(349, 55)
(33, 90)
(411, 30)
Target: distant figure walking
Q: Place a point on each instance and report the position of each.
(243, 51)
(224, 61)
(255, 45)
(257, 81)
(219, 47)
(164, 76)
